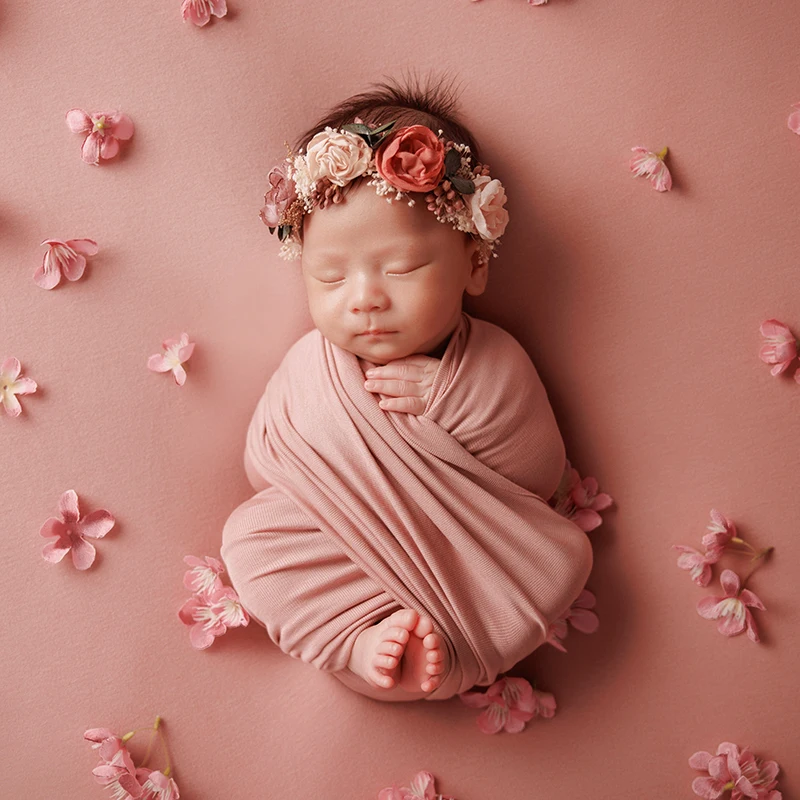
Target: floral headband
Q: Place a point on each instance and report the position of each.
(408, 159)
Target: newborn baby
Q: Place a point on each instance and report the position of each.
(403, 451)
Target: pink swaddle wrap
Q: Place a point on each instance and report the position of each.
(363, 511)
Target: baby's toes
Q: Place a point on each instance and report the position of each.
(385, 662)
(433, 641)
(429, 684)
(423, 628)
(435, 669)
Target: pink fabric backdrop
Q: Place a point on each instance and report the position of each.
(639, 309)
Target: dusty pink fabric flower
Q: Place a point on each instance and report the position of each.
(732, 609)
(739, 772)
(720, 532)
(781, 347)
(509, 704)
(339, 156)
(156, 785)
(71, 532)
(579, 615)
(411, 159)
(486, 204)
(422, 788)
(698, 563)
(652, 166)
(281, 194)
(116, 770)
(11, 385)
(177, 351)
(204, 575)
(199, 11)
(67, 258)
(105, 131)
(579, 500)
(210, 614)
(794, 119)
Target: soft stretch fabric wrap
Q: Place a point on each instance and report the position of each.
(360, 512)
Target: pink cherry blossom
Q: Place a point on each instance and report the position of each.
(204, 574)
(71, 532)
(509, 704)
(199, 11)
(794, 119)
(781, 347)
(579, 500)
(652, 166)
(698, 563)
(98, 736)
(732, 608)
(721, 531)
(11, 385)
(579, 615)
(105, 131)
(177, 351)
(210, 615)
(739, 772)
(116, 770)
(67, 258)
(422, 788)
(156, 785)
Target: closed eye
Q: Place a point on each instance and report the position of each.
(408, 272)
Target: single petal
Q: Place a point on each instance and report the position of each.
(731, 624)
(54, 527)
(750, 599)
(48, 273)
(109, 146)
(55, 551)
(584, 620)
(200, 638)
(185, 352)
(709, 607)
(96, 525)
(157, 363)
(707, 788)
(83, 553)
(474, 699)
(179, 373)
(12, 406)
(90, 150)
(730, 582)
(700, 760)
(79, 121)
(25, 386)
(493, 719)
(86, 247)
(752, 630)
(10, 369)
(73, 266)
(122, 125)
(68, 506)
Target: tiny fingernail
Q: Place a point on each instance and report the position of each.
(370, 372)
(370, 385)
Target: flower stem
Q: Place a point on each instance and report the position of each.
(150, 743)
(739, 540)
(756, 558)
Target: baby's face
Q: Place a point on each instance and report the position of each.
(370, 264)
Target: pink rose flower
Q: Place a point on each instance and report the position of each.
(204, 575)
(732, 609)
(422, 788)
(209, 615)
(652, 166)
(199, 11)
(721, 531)
(116, 770)
(63, 258)
(71, 532)
(105, 131)
(794, 119)
(281, 194)
(781, 347)
(11, 385)
(176, 352)
(509, 704)
(739, 772)
(698, 563)
(486, 203)
(411, 159)
(156, 785)
(338, 156)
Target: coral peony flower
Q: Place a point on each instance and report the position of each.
(177, 351)
(63, 257)
(509, 704)
(338, 156)
(422, 788)
(210, 615)
(281, 194)
(116, 770)
(71, 531)
(739, 772)
(204, 575)
(199, 11)
(156, 785)
(486, 203)
(781, 347)
(698, 563)
(794, 119)
(11, 385)
(652, 166)
(721, 531)
(579, 500)
(411, 159)
(105, 133)
(732, 608)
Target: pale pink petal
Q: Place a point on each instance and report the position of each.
(661, 178)
(68, 506)
(709, 607)
(422, 785)
(10, 369)
(200, 638)
(700, 760)
(707, 788)
(25, 386)
(195, 11)
(185, 352)
(48, 274)
(515, 723)
(218, 8)
(11, 404)
(55, 551)
(90, 151)
(157, 363)
(122, 125)
(750, 599)
(79, 121)
(83, 553)
(73, 266)
(730, 582)
(186, 611)
(98, 735)
(96, 525)
(86, 247)
(731, 624)
(794, 122)
(475, 699)
(492, 719)
(775, 329)
(179, 373)
(109, 146)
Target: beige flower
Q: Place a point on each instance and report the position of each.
(340, 157)
(487, 203)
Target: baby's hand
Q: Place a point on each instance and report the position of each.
(408, 379)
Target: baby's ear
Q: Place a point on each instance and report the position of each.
(479, 274)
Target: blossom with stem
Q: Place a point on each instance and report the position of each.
(11, 385)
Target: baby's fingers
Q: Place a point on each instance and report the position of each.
(394, 388)
(406, 405)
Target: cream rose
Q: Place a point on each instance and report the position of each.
(487, 203)
(340, 157)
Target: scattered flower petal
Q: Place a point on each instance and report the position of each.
(204, 575)
(698, 563)
(509, 704)
(105, 131)
(652, 166)
(739, 772)
(176, 352)
(67, 258)
(70, 532)
(731, 609)
(794, 119)
(209, 615)
(116, 770)
(720, 532)
(579, 500)
(579, 615)
(199, 11)
(422, 788)
(781, 347)
(11, 385)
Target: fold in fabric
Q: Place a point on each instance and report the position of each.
(360, 511)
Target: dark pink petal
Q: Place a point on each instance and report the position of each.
(54, 527)
(90, 151)
(750, 599)
(587, 519)
(475, 699)
(68, 506)
(48, 274)
(55, 551)
(186, 611)
(731, 625)
(130, 785)
(96, 525)
(769, 771)
(122, 125)
(109, 147)
(79, 121)
(752, 631)
(493, 719)
(730, 582)
(83, 553)
(199, 638)
(708, 607)
(584, 620)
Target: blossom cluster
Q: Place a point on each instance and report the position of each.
(736, 771)
(422, 788)
(509, 703)
(578, 499)
(780, 348)
(213, 607)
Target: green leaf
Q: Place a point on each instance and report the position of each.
(356, 127)
(462, 185)
(385, 127)
(452, 161)
(271, 229)
(284, 231)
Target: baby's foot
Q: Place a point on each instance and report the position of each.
(378, 649)
(425, 659)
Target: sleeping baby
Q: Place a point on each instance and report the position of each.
(403, 452)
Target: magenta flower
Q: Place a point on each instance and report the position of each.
(732, 609)
(116, 770)
(176, 351)
(11, 385)
(721, 531)
(741, 773)
(105, 131)
(156, 785)
(509, 704)
(698, 563)
(422, 788)
(204, 575)
(579, 500)
(579, 615)
(210, 614)
(67, 258)
(652, 166)
(794, 119)
(199, 11)
(71, 532)
(780, 349)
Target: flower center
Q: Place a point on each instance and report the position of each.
(100, 124)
